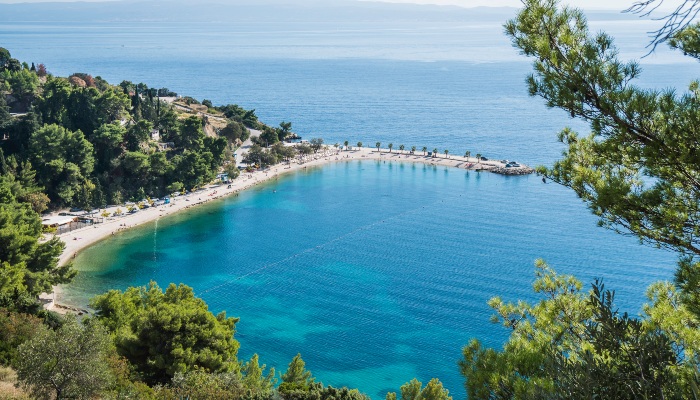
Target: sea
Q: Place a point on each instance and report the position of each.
(376, 272)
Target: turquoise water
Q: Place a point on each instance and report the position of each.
(375, 272)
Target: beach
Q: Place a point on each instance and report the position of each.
(79, 239)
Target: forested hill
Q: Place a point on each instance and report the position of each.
(80, 141)
(86, 143)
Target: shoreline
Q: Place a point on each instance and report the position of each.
(82, 238)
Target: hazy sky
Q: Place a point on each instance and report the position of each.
(587, 4)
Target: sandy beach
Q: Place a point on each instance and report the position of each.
(84, 237)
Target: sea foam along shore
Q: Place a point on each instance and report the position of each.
(82, 238)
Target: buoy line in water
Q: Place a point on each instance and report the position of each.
(155, 242)
(320, 246)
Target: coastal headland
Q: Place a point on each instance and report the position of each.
(79, 239)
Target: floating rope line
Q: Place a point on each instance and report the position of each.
(320, 246)
(155, 241)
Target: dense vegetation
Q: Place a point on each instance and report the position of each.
(638, 171)
(88, 143)
(82, 142)
(85, 143)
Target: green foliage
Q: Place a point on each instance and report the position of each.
(175, 187)
(107, 141)
(5, 117)
(191, 135)
(52, 106)
(70, 362)
(232, 170)
(23, 83)
(316, 144)
(63, 159)
(137, 134)
(13, 65)
(414, 390)
(284, 130)
(687, 41)
(296, 377)
(162, 334)
(283, 152)
(122, 386)
(638, 172)
(194, 168)
(203, 385)
(260, 156)
(575, 345)
(304, 149)
(255, 380)
(268, 136)
(15, 329)
(21, 179)
(638, 169)
(80, 108)
(234, 131)
(217, 148)
(27, 267)
(238, 114)
(5, 57)
(317, 391)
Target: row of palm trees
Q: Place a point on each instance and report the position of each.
(467, 154)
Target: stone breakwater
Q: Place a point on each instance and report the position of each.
(512, 171)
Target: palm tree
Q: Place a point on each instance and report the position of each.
(401, 147)
(378, 145)
(413, 149)
(435, 152)
(390, 146)
(478, 158)
(346, 144)
(359, 144)
(446, 151)
(467, 154)
(425, 149)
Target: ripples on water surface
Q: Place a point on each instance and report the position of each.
(375, 272)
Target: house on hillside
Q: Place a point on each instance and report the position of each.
(155, 135)
(164, 146)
